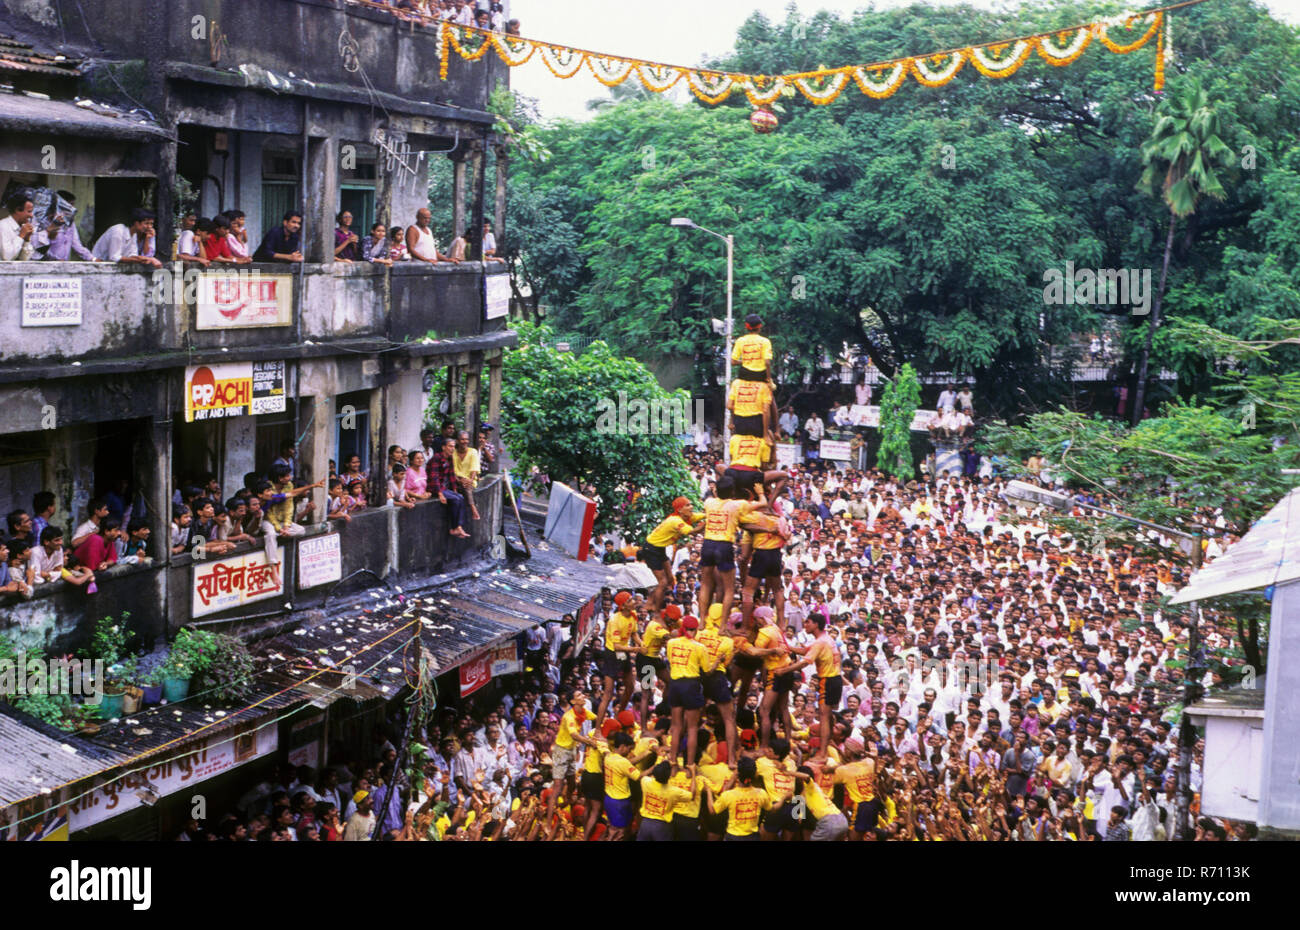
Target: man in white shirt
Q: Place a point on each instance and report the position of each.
(788, 422)
(947, 398)
(815, 428)
(16, 229)
(490, 243)
(121, 243)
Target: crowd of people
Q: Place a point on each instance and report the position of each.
(834, 654)
(483, 14)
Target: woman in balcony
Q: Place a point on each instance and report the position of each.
(417, 478)
(346, 241)
(375, 247)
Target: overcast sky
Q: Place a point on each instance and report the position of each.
(680, 32)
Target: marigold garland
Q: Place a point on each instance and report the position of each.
(878, 80)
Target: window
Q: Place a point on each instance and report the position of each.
(352, 430)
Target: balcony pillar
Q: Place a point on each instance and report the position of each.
(322, 199)
(457, 193)
(478, 165)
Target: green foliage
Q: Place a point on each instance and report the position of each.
(552, 423)
(898, 404)
(48, 708)
(1185, 143)
(193, 650)
(108, 641)
(229, 675)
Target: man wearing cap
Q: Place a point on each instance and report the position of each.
(687, 663)
(616, 661)
(362, 822)
(681, 522)
(752, 351)
(564, 749)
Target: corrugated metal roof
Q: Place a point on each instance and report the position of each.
(1267, 555)
(31, 759)
(16, 55)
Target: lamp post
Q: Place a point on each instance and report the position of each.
(1032, 494)
(684, 223)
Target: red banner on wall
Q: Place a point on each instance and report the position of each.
(475, 673)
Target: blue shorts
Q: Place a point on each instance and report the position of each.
(717, 687)
(718, 554)
(687, 693)
(867, 815)
(619, 811)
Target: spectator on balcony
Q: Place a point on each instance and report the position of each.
(135, 548)
(96, 511)
(43, 509)
(189, 249)
(352, 470)
(512, 28)
(397, 487)
(17, 233)
(205, 526)
(47, 558)
(346, 242)
(467, 470)
(487, 450)
(428, 443)
(233, 528)
(282, 498)
(131, 244)
(182, 528)
(374, 248)
(443, 482)
(217, 247)
(396, 456)
(417, 477)
(483, 20)
(458, 247)
(238, 238)
(20, 526)
(947, 398)
(98, 552)
(965, 400)
(357, 495)
(420, 242)
(397, 245)
(283, 244)
(16, 575)
(464, 13)
(60, 239)
(490, 244)
(340, 505)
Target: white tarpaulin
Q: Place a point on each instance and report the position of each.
(1267, 555)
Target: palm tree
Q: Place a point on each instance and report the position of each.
(1185, 140)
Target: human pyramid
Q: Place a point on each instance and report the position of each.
(667, 777)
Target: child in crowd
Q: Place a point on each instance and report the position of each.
(340, 504)
(357, 495)
(135, 548)
(182, 530)
(397, 488)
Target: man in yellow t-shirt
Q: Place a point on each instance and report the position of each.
(564, 749)
(618, 792)
(858, 777)
(830, 822)
(717, 685)
(777, 769)
(744, 803)
(466, 465)
(718, 553)
(752, 408)
(778, 681)
(681, 522)
(687, 663)
(616, 659)
(649, 663)
(752, 351)
(659, 800)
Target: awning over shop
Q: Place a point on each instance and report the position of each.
(21, 112)
(1267, 555)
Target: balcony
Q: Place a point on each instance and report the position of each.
(82, 312)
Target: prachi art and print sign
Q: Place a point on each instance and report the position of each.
(235, 389)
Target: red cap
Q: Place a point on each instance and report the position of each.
(621, 598)
(690, 623)
(608, 727)
(626, 718)
(748, 737)
(673, 612)
(680, 502)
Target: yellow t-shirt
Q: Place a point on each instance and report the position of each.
(745, 805)
(769, 637)
(689, 806)
(617, 772)
(778, 777)
(749, 398)
(618, 631)
(569, 725)
(753, 351)
(671, 530)
(818, 804)
(750, 451)
(858, 779)
(466, 465)
(715, 774)
(720, 648)
(658, 801)
(763, 529)
(686, 658)
(722, 518)
(827, 661)
(591, 763)
(654, 637)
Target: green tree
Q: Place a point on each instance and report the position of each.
(898, 404)
(1185, 144)
(557, 421)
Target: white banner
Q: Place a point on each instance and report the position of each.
(242, 579)
(505, 660)
(243, 300)
(51, 302)
(496, 288)
(166, 778)
(835, 450)
(920, 419)
(787, 454)
(320, 560)
(862, 415)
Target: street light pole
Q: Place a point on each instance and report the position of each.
(730, 240)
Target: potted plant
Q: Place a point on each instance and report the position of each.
(176, 674)
(105, 651)
(151, 685)
(229, 676)
(126, 673)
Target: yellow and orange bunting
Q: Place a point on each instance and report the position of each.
(1121, 35)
